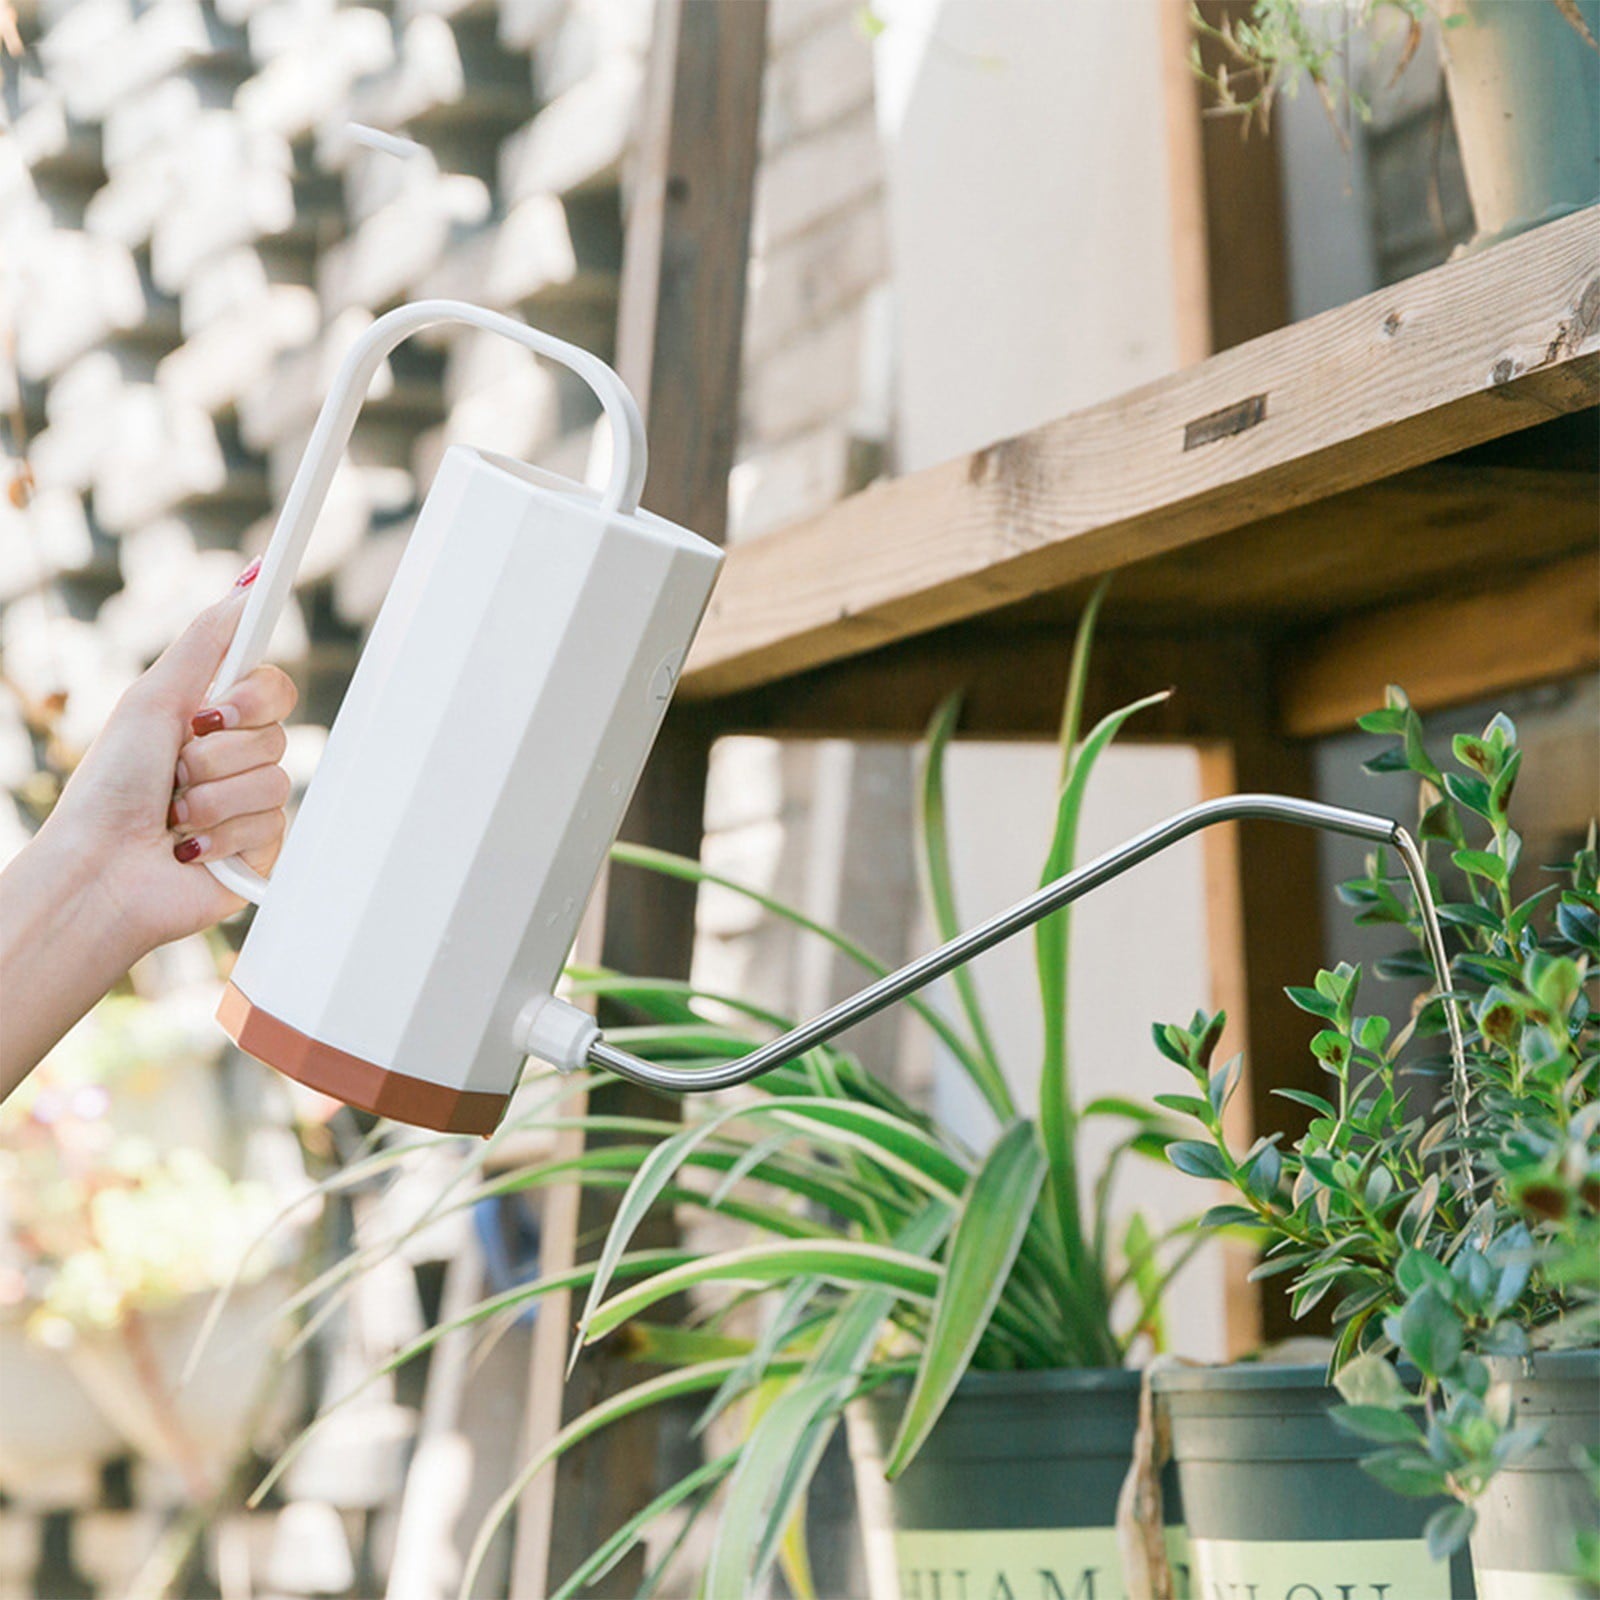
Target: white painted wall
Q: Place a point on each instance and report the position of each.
(1025, 154)
(1029, 236)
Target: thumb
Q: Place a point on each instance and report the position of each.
(184, 670)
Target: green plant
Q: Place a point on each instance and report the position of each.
(883, 1246)
(1278, 44)
(1440, 1238)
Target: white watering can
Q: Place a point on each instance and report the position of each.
(406, 950)
(478, 770)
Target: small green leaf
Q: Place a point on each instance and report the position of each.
(1417, 757)
(1475, 753)
(1482, 864)
(1407, 1472)
(1331, 1046)
(1223, 1082)
(1263, 1171)
(1370, 1380)
(1440, 822)
(1430, 1333)
(1305, 1097)
(1230, 1217)
(1319, 1005)
(1417, 1270)
(1198, 1160)
(1473, 793)
(1188, 1105)
(1171, 1041)
(1378, 1424)
(1373, 1033)
(1448, 1530)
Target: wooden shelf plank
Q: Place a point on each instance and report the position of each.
(1468, 352)
(1534, 627)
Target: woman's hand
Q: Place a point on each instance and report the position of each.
(118, 868)
(173, 782)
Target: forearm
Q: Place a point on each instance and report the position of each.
(63, 943)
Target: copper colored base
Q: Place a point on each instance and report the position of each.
(358, 1083)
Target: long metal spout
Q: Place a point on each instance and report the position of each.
(1052, 897)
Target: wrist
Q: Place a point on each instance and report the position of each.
(83, 866)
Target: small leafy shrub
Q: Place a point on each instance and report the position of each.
(1277, 45)
(1448, 1223)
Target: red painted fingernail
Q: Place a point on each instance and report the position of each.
(189, 849)
(208, 722)
(249, 575)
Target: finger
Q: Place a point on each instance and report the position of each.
(184, 670)
(261, 860)
(260, 831)
(207, 806)
(267, 695)
(221, 755)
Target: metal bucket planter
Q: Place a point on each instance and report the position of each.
(1275, 1500)
(1525, 1543)
(1525, 95)
(1014, 1493)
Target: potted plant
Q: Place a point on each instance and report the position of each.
(1448, 1214)
(980, 1305)
(1523, 76)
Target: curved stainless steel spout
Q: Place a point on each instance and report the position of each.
(1052, 897)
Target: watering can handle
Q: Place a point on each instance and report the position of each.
(281, 559)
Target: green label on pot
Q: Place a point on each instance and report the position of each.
(1316, 1569)
(1496, 1583)
(1020, 1564)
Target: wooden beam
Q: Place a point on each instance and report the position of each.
(1011, 681)
(1470, 351)
(1421, 533)
(678, 346)
(1186, 188)
(1534, 627)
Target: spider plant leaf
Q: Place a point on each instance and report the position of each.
(898, 1146)
(1052, 944)
(668, 999)
(842, 1261)
(515, 1298)
(753, 1502)
(640, 1397)
(904, 1148)
(780, 1326)
(988, 1233)
(757, 1156)
(933, 835)
(655, 1173)
(612, 1550)
(690, 871)
(786, 1446)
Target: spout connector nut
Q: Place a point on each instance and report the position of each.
(556, 1033)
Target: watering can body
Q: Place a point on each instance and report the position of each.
(474, 778)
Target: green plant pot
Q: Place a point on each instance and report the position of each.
(1275, 1500)
(1525, 1544)
(1014, 1493)
(1525, 94)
